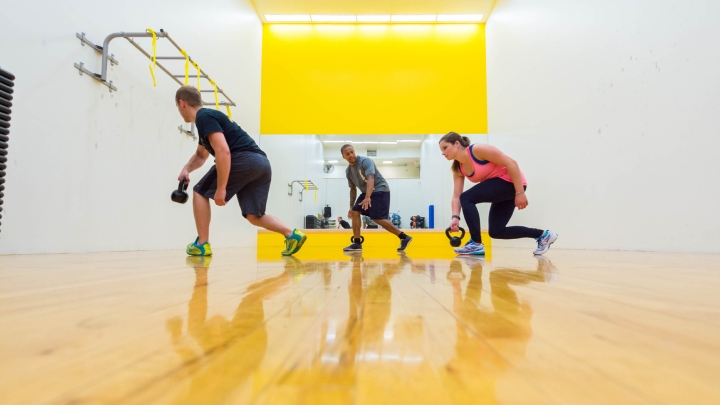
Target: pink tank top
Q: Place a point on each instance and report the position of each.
(484, 170)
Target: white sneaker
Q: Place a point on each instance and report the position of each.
(544, 242)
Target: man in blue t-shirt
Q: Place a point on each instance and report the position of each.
(241, 169)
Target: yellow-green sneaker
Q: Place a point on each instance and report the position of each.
(193, 249)
(293, 243)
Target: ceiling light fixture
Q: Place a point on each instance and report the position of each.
(410, 140)
(287, 18)
(413, 17)
(459, 17)
(379, 18)
(387, 161)
(333, 18)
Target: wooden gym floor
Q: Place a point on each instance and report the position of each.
(588, 327)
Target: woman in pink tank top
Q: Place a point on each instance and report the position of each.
(500, 182)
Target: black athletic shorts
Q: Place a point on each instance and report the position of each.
(379, 205)
(249, 180)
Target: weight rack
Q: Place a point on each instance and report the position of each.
(7, 82)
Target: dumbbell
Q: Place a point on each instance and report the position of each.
(180, 195)
(454, 240)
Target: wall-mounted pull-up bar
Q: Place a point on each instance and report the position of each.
(104, 50)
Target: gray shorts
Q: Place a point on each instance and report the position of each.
(249, 179)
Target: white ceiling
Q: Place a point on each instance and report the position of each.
(483, 7)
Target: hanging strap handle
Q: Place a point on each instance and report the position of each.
(154, 53)
(229, 113)
(187, 66)
(217, 101)
(198, 74)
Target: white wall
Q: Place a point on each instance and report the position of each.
(91, 170)
(611, 109)
(294, 157)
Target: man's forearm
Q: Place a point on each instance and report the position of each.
(353, 196)
(370, 185)
(194, 163)
(222, 165)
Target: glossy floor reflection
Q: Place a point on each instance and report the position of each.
(152, 327)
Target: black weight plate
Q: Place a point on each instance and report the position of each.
(4, 131)
(7, 82)
(2, 188)
(4, 124)
(5, 110)
(6, 88)
(2, 179)
(3, 166)
(7, 74)
(3, 145)
(3, 159)
(4, 116)
(6, 96)
(3, 152)
(6, 103)
(4, 138)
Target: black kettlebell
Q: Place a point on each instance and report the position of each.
(454, 240)
(362, 239)
(180, 195)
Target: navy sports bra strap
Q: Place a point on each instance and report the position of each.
(480, 162)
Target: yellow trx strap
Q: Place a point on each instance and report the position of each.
(217, 102)
(187, 66)
(153, 59)
(198, 74)
(316, 194)
(229, 112)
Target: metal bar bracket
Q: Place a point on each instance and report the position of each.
(81, 68)
(84, 40)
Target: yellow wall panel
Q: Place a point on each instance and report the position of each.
(373, 79)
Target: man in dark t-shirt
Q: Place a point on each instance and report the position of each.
(343, 224)
(241, 169)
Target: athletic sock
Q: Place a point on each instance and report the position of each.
(402, 235)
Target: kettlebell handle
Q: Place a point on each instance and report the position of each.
(183, 185)
(462, 232)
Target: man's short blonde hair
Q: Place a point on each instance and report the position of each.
(190, 95)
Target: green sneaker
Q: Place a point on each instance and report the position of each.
(193, 249)
(293, 243)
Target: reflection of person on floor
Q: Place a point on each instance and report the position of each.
(488, 341)
(369, 312)
(229, 350)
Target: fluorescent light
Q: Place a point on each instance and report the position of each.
(460, 17)
(333, 18)
(410, 140)
(388, 143)
(332, 161)
(287, 18)
(413, 18)
(387, 161)
(336, 141)
(374, 18)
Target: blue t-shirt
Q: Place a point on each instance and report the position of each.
(210, 121)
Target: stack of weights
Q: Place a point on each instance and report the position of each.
(7, 82)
